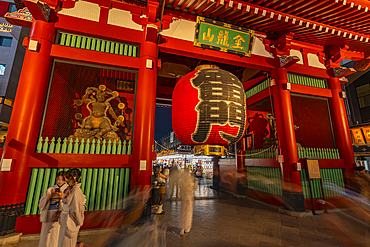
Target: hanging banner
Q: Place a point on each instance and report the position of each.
(358, 138)
(220, 36)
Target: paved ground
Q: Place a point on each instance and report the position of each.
(223, 220)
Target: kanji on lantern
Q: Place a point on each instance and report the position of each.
(216, 113)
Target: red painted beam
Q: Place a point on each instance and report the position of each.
(194, 5)
(202, 7)
(97, 29)
(81, 55)
(318, 12)
(314, 91)
(308, 71)
(54, 160)
(285, 6)
(221, 11)
(214, 8)
(185, 4)
(186, 48)
(240, 14)
(175, 3)
(326, 163)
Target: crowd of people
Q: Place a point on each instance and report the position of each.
(63, 205)
(181, 185)
(62, 211)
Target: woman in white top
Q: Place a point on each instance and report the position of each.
(50, 205)
(72, 215)
(188, 186)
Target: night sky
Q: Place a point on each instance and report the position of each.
(163, 122)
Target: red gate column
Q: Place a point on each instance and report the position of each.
(292, 189)
(341, 129)
(145, 115)
(27, 113)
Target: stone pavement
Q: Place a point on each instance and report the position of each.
(221, 219)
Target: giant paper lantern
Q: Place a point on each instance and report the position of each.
(208, 107)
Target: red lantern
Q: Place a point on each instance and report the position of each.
(208, 107)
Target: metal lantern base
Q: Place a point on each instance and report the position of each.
(8, 217)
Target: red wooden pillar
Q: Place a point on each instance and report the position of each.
(145, 114)
(27, 114)
(292, 189)
(341, 129)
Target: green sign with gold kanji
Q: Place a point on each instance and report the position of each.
(211, 34)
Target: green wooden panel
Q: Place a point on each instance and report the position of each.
(99, 188)
(38, 187)
(116, 48)
(83, 43)
(265, 179)
(78, 42)
(53, 175)
(73, 41)
(121, 188)
(88, 43)
(88, 187)
(93, 189)
(31, 191)
(102, 45)
(127, 182)
(68, 40)
(107, 46)
(125, 51)
(330, 177)
(110, 188)
(105, 189)
(93, 44)
(45, 184)
(98, 43)
(121, 49)
(112, 46)
(115, 188)
(134, 51)
(83, 180)
(63, 39)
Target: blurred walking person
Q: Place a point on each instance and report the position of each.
(50, 205)
(188, 186)
(161, 182)
(72, 215)
(174, 181)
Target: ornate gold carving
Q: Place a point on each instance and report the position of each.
(79, 102)
(79, 116)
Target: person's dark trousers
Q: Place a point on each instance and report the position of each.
(155, 197)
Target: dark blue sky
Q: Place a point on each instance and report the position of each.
(163, 122)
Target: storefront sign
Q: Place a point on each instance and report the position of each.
(366, 131)
(215, 35)
(358, 138)
(313, 169)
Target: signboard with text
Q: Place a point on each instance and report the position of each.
(224, 37)
(357, 137)
(313, 169)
